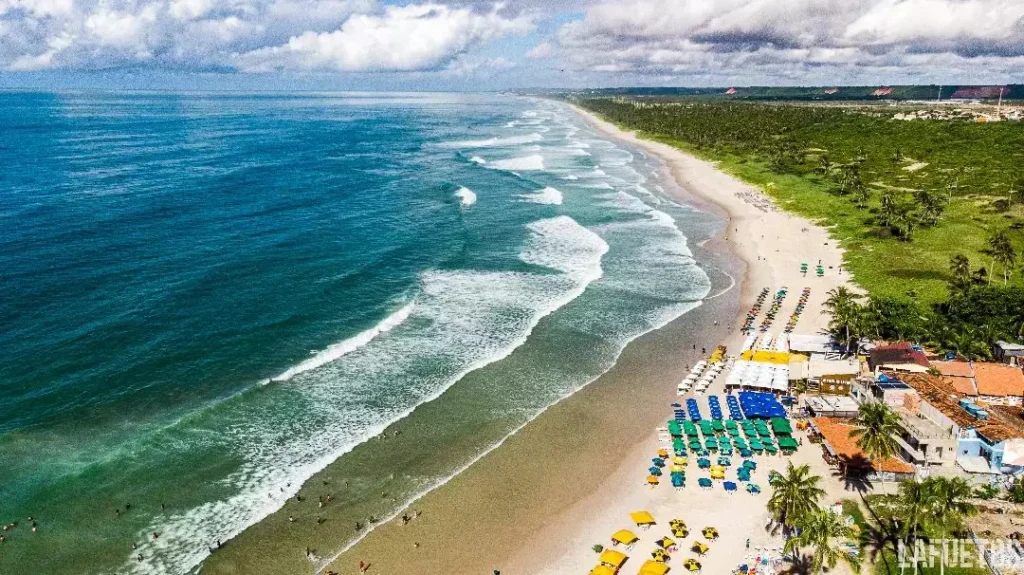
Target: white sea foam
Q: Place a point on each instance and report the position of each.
(466, 196)
(461, 321)
(522, 164)
(570, 177)
(478, 160)
(548, 195)
(494, 142)
(342, 348)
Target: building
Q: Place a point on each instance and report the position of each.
(899, 357)
(835, 384)
(999, 384)
(1011, 353)
(923, 442)
(982, 442)
(890, 390)
(959, 375)
(834, 406)
(841, 449)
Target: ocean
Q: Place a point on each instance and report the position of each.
(209, 298)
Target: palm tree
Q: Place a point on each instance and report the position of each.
(846, 312)
(877, 427)
(968, 344)
(916, 503)
(819, 530)
(1000, 248)
(824, 165)
(960, 269)
(794, 495)
(952, 501)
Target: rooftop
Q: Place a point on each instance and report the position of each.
(897, 354)
(1007, 346)
(937, 392)
(999, 380)
(954, 368)
(837, 434)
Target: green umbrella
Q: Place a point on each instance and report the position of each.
(705, 427)
(730, 424)
(734, 432)
(717, 425)
(788, 443)
(771, 449)
(781, 425)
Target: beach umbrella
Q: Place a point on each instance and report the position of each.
(750, 464)
(642, 518)
(656, 471)
(679, 460)
(753, 489)
(663, 453)
(677, 469)
(694, 445)
(717, 474)
(665, 543)
(729, 486)
(658, 461)
(678, 481)
(699, 548)
(743, 474)
(725, 461)
(704, 482)
(660, 555)
(680, 532)
(652, 567)
(652, 480)
(603, 570)
(612, 558)
(717, 425)
(770, 449)
(703, 463)
(692, 564)
(710, 533)
(624, 537)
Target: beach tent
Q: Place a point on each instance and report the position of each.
(642, 518)
(652, 567)
(603, 570)
(613, 558)
(781, 425)
(625, 537)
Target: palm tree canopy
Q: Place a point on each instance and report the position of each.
(877, 427)
(795, 495)
(820, 528)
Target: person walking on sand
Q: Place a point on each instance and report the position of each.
(363, 567)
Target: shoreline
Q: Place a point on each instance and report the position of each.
(519, 508)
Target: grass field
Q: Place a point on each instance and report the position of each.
(975, 172)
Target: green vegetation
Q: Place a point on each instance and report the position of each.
(794, 495)
(903, 198)
(819, 531)
(877, 427)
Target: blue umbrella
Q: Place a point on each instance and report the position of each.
(678, 481)
(749, 464)
(658, 461)
(704, 463)
(751, 488)
(655, 470)
(729, 486)
(743, 474)
(704, 482)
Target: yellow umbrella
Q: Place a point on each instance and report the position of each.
(710, 533)
(652, 480)
(699, 548)
(692, 564)
(602, 570)
(653, 568)
(625, 537)
(680, 532)
(676, 468)
(665, 543)
(642, 518)
(679, 460)
(717, 474)
(663, 453)
(660, 555)
(677, 523)
(612, 558)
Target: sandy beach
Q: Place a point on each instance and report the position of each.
(570, 478)
(527, 530)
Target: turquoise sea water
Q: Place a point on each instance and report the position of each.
(208, 298)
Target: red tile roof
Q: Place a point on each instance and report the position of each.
(837, 434)
(999, 380)
(898, 353)
(954, 368)
(962, 385)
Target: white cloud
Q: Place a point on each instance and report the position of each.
(345, 35)
(815, 40)
(407, 38)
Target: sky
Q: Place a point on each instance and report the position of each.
(516, 44)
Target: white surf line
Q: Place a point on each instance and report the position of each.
(342, 348)
(322, 565)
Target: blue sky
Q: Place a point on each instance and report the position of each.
(478, 45)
